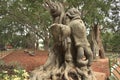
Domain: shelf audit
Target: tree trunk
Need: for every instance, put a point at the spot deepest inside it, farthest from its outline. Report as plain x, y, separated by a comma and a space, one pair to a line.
46, 43
96, 42
94, 45
63, 62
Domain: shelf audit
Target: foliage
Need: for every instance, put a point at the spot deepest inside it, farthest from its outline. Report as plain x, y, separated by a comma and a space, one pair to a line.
115, 41
114, 16
19, 17
12, 71
92, 11
111, 41
19, 75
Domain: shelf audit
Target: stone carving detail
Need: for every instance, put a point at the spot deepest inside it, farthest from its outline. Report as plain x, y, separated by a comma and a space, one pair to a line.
70, 56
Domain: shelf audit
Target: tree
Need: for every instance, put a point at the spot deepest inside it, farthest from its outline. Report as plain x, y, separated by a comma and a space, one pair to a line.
70, 56
26, 16
115, 41
114, 15
112, 26
107, 36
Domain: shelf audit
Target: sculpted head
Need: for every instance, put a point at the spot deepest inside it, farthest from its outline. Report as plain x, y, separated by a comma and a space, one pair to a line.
73, 13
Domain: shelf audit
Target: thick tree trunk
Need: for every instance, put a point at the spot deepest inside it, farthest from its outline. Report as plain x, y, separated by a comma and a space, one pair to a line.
96, 42
63, 62
94, 45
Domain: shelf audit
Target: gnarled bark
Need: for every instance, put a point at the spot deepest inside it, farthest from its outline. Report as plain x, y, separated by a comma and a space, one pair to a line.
96, 42
66, 60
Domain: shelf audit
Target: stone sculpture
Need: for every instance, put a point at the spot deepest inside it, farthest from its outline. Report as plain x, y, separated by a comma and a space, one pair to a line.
70, 57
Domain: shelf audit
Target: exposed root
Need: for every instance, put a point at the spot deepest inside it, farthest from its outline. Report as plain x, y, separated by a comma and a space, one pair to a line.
63, 73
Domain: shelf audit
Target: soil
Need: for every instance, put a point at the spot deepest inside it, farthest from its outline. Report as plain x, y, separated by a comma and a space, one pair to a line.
27, 61
30, 62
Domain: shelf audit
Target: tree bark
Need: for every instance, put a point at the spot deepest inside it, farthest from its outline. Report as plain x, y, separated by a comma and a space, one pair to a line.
63, 62
46, 43
94, 45
96, 42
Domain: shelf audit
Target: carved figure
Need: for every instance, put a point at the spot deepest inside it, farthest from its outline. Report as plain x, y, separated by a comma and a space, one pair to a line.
70, 56
78, 33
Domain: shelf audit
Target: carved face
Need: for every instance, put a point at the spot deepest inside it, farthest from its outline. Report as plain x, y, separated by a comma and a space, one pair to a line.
73, 13
66, 19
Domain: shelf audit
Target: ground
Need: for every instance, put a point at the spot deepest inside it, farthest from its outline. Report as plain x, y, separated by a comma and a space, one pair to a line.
31, 62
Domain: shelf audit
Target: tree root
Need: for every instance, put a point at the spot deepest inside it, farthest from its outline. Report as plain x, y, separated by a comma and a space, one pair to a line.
63, 73
66, 71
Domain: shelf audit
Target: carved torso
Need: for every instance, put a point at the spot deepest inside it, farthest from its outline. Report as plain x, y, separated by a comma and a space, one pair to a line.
78, 31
